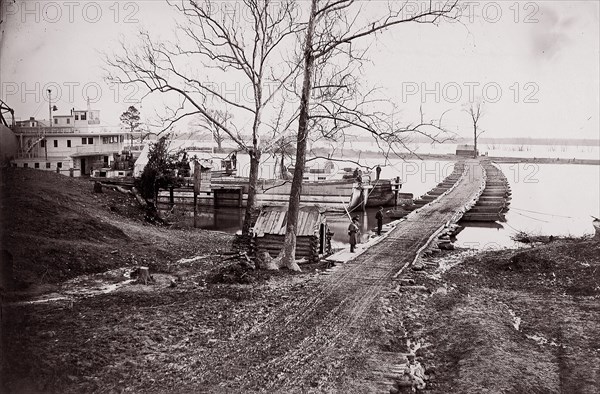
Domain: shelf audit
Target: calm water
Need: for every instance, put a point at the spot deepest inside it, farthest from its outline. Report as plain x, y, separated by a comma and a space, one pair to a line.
547, 199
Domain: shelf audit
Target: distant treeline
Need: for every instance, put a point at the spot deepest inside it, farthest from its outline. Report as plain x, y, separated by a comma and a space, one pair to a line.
509, 141
538, 141
467, 140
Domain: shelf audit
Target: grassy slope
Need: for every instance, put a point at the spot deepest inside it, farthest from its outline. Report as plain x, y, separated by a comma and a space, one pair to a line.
56, 228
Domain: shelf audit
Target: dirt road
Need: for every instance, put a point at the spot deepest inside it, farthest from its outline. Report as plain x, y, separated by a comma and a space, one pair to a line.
318, 341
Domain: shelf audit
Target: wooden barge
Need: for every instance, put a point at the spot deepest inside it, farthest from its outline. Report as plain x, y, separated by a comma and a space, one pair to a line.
233, 192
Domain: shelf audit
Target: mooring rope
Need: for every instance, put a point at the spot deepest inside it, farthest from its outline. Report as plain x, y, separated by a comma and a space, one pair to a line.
547, 214
531, 217
517, 230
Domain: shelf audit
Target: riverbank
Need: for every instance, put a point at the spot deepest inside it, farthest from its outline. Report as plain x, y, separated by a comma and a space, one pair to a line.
507, 321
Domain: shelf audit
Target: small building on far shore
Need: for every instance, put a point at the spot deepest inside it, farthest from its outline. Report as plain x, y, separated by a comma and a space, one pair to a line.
466, 150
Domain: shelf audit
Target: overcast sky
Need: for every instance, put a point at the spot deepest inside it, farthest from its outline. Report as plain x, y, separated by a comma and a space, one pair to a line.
536, 64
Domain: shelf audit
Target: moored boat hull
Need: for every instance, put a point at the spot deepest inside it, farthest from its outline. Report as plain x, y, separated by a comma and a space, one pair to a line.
483, 217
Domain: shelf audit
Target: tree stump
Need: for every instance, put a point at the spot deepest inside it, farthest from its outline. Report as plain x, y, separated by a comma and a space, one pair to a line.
266, 261
144, 275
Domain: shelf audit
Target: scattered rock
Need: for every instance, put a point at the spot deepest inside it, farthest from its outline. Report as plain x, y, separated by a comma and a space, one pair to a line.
415, 288
431, 370
47, 334
446, 246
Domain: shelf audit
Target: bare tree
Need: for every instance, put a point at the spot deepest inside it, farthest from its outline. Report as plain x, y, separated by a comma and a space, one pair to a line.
333, 29
282, 142
218, 135
224, 42
284, 148
475, 111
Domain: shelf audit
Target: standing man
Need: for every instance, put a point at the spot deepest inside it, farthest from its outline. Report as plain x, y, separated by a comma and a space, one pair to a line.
378, 172
379, 217
353, 233
359, 175
234, 160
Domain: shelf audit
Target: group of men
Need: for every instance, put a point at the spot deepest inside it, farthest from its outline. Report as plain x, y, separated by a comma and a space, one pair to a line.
358, 174
354, 229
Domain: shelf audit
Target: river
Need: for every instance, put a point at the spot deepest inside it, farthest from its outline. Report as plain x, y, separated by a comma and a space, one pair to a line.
547, 199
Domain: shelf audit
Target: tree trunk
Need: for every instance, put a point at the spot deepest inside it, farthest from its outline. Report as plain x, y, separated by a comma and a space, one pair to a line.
139, 197
197, 185
475, 141
251, 202
287, 256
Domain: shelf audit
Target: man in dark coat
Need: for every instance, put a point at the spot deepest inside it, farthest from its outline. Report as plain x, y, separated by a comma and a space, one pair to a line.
379, 217
377, 172
234, 160
353, 233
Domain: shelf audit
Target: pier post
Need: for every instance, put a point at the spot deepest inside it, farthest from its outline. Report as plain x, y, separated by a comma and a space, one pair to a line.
396, 190
195, 209
197, 183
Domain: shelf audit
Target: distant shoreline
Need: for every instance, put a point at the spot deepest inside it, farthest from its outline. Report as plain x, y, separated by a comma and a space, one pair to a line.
452, 157
544, 160
500, 159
